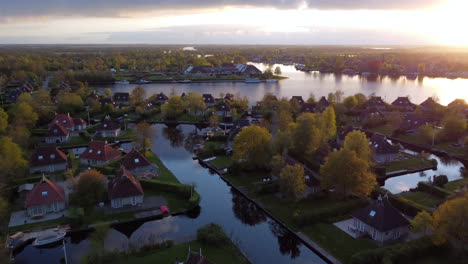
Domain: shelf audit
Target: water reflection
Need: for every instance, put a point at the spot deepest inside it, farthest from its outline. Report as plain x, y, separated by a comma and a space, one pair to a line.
174, 135
288, 244
247, 212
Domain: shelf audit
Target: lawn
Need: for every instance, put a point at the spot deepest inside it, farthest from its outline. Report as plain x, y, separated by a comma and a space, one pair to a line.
336, 242
166, 174
423, 198
410, 163
245, 179
222, 162
53, 222
453, 185
217, 254
175, 201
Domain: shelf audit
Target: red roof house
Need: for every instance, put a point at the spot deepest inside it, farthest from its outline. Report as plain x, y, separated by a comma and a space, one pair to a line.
98, 152
45, 197
68, 122
124, 189
138, 164
48, 159
57, 134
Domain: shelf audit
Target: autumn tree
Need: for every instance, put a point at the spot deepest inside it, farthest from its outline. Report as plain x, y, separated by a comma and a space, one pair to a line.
347, 174
70, 103
358, 142
307, 134
276, 164
329, 123
450, 220
284, 114
90, 187
252, 147
144, 132
422, 223
23, 113
427, 133
12, 163
43, 105
292, 181
193, 103
107, 92
453, 128
137, 95
3, 121
19, 134
350, 102
173, 107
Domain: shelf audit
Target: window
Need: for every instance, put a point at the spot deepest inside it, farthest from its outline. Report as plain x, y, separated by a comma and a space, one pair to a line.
372, 213
396, 233
99, 152
44, 194
40, 157
52, 156
105, 125
137, 160
374, 233
90, 151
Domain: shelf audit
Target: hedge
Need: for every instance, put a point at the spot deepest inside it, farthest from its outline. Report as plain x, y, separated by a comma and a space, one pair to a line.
397, 253
404, 205
434, 190
267, 188
167, 186
329, 214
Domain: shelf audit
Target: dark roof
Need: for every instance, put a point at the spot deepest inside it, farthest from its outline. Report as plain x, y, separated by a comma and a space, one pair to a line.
229, 97
124, 184
375, 101
370, 113
196, 258
106, 100
201, 69
208, 98
98, 150
458, 103
223, 106
134, 160
413, 121
380, 144
57, 130
308, 107
108, 124
429, 103
45, 192
403, 102
342, 134
47, 156
63, 119
298, 99
162, 97
121, 96
381, 215
94, 95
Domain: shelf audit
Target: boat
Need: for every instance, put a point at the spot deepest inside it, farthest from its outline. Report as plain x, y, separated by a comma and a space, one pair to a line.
252, 80
271, 80
48, 239
185, 81
141, 81
122, 82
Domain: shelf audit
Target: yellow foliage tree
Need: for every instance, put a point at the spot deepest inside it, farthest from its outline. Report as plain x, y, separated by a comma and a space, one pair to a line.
292, 181
450, 222
252, 147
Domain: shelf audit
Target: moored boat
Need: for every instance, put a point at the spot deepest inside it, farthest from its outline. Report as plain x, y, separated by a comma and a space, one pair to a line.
122, 82
271, 80
185, 81
252, 80
48, 239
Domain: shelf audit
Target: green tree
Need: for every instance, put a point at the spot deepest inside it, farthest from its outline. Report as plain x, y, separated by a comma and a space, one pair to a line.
422, 223
19, 134
90, 188
278, 70
347, 174
12, 163
23, 113
276, 164
137, 95
350, 102
70, 103
358, 142
450, 220
360, 98
252, 147
453, 127
144, 132
307, 133
292, 181
173, 108
3, 121
427, 133
193, 103
107, 92
329, 123
214, 121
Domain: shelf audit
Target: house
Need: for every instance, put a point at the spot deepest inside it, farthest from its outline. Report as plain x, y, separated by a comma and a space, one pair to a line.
121, 98
429, 105
98, 153
308, 108
209, 100
226, 69
460, 106
68, 122
45, 197
403, 104
371, 114
375, 102
94, 95
248, 70
138, 164
412, 122
382, 150
124, 189
108, 128
223, 109
107, 101
237, 126
298, 99
203, 70
64, 87
57, 134
48, 159
161, 98
310, 179
229, 97
24, 190
13, 95
322, 104
381, 221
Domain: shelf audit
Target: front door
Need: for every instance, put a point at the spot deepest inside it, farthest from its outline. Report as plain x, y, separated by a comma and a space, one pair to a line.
134, 202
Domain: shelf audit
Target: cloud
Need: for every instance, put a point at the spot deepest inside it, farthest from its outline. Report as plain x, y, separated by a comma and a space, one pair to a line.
11, 11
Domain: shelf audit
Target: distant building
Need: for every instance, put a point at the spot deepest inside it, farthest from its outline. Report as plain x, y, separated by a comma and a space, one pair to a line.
125, 190
223, 109
403, 104
381, 221
371, 113
412, 122
161, 98
139, 165
429, 105
209, 100
204, 70
248, 70
108, 128
107, 101
308, 108
48, 159
298, 99
45, 197
375, 102
68, 122
322, 104
57, 134
121, 98
98, 153
382, 150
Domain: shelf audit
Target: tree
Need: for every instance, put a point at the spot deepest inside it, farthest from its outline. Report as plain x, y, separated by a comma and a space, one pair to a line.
173, 107
70, 102
422, 222
137, 95
214, 122
193, 103
90, 187
278, 70
268, 73
107, 92
454, 127
284, 114
12, 163
292, 181
19, 134
307, 133
144, 132
350, 102
43, 105
427, 133
329, 123
360, 98
347, 174
252, 147
449, 222
3, 121
23, 113
276, 164
358, 142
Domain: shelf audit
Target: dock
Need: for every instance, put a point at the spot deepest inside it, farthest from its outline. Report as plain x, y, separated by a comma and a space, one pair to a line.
149, 214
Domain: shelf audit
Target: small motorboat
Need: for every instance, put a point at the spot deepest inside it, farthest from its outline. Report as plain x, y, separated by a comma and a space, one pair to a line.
271, 80
122, 82
185, 81
48, 239
252, 80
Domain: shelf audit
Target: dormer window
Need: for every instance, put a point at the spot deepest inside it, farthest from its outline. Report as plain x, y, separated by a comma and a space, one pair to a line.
52, 156
99, 152
44, 194
64, 121
90, 151
55, 130
137, 160
40, 157
105, 125
372, 213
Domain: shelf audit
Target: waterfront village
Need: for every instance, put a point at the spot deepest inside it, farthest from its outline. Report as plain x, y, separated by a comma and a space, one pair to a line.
75, 158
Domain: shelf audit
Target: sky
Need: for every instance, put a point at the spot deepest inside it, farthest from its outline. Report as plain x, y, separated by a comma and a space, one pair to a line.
292, 22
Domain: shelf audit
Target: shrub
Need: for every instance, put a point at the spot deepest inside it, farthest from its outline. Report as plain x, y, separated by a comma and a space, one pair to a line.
166, 186
404, 205
434, 190
440, 180
212, 234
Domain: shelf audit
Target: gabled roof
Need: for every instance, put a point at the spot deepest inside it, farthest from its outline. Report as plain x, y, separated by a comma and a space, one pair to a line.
223, 106
94, 95
375, 101
57, 130
45, 192
323, 103
208, 98
458, 103
308, 107
124, 184
371, 113
134, 160
402, 101
199, 69
413, 121
381, 215
298, 99
108, 124
380, 144
98, 150
121, 96
106, 100
47, 156
342, 134
63, 119
429, 103
162, 97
